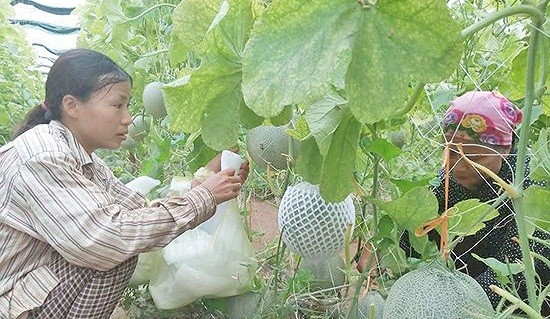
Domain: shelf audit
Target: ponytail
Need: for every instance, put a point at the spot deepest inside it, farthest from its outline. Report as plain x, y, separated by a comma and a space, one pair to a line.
40, 114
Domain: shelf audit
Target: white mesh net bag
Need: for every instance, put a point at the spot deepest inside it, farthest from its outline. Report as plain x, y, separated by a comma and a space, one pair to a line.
311, 226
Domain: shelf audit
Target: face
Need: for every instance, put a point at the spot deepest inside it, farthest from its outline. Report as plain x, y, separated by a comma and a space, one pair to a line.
464, 173
102, 121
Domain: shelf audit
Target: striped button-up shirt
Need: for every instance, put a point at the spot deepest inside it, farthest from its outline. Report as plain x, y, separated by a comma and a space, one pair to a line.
55, 196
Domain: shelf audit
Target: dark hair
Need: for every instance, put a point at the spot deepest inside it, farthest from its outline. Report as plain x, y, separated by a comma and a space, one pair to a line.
78, 72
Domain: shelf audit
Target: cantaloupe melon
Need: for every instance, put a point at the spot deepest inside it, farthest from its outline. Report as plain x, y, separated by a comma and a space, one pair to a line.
434, 292
328, 272
139, 128
372, 301
249, 305
269, 145
398, 138
153, 101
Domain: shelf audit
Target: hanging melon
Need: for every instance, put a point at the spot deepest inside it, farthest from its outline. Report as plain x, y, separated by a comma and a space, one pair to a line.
139, 128
311, 226
268, 145
434, 292
153, 101
371, 303
328, 273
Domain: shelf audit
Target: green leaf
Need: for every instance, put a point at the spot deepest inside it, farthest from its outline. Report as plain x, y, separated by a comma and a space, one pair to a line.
384, 228
406, 185
337, 174
176, 101
284, 117
300, 130
323, 118
462, 221
310, 161
399, 42
502, 270
200, 155
540, 164
297, 50
385, 149
413, 209
212, 100
536, 208
248, 118
220, 124
192, 18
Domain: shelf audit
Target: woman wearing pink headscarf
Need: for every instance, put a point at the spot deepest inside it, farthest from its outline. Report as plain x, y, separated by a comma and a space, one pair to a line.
484, 123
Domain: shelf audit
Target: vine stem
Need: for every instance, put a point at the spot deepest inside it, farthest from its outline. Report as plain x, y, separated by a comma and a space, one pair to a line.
412, 101
538, 18
375, 177
520, 168
522, 305
149, 10
510, 190
535, 14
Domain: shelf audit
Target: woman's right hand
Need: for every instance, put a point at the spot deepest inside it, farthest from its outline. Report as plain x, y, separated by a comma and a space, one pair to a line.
224, 185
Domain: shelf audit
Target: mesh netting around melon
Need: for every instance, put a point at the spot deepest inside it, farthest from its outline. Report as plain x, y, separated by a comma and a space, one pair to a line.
311, 226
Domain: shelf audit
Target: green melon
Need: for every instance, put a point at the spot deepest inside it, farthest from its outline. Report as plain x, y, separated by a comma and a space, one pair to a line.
128, 143
328, 273
372, 301
249, 305
153, 101
139, 128
269, 145
398, 138
434, 292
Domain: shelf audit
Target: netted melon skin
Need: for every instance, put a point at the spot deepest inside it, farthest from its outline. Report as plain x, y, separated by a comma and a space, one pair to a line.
269, 145
311, 226
364, 306
436, 293
328, 272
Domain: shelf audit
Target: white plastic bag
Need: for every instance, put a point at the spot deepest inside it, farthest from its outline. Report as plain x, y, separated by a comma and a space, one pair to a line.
214, 259
147, 262
143, 184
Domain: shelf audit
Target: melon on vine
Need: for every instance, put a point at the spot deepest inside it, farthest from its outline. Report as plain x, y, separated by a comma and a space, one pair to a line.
372, 303
269, 145
327, 273
128, 143
248, 305
139, 128
398, 138
435, 292
153, 101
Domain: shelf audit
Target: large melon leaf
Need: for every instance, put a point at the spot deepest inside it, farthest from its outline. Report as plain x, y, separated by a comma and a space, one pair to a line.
297, 49
191, 21
399, 42
212, 98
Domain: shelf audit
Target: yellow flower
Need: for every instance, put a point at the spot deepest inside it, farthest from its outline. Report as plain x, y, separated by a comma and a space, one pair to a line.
475, 122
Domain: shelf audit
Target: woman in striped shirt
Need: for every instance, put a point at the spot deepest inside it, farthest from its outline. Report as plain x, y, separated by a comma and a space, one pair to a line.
70, 231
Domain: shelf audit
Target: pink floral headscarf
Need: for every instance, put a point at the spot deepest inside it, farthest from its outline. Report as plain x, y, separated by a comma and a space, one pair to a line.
487, 117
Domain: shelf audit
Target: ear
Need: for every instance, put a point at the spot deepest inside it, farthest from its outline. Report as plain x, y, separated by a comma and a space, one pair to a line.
69, 106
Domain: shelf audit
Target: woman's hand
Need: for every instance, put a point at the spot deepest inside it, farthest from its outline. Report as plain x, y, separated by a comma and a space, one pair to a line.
224, 185
214, 165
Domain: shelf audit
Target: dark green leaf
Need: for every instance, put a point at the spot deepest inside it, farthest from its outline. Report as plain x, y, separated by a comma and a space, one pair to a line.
310, 161
385, 149
337, 174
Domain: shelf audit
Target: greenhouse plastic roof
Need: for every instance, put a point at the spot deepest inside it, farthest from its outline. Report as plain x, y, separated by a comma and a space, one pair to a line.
51, 27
